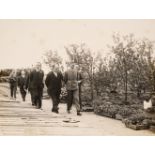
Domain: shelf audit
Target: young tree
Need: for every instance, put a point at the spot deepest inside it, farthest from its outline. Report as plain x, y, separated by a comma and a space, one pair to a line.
150, 63
123, 51
134, 63
51, 58
102, 81
140, 73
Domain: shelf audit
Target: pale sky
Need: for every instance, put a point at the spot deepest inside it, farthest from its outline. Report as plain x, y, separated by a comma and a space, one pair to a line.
23, 42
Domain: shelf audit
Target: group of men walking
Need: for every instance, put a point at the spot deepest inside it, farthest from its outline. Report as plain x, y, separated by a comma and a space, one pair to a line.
54, 81
20, 81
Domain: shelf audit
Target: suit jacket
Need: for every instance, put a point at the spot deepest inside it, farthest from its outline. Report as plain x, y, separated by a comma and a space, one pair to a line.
53, 82
71, 79
35, 80
13, 80
22, 82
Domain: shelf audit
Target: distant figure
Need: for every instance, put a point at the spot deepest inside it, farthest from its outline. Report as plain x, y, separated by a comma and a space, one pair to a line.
23, 84
71, 81
36, 85
13, 80
53, 82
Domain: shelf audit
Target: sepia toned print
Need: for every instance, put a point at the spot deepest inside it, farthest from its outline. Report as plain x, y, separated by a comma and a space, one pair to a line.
77, 77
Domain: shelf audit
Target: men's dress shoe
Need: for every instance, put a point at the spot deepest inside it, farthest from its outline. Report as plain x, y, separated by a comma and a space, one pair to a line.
68, 111
56, 111
33, 104
38, 107
79, 114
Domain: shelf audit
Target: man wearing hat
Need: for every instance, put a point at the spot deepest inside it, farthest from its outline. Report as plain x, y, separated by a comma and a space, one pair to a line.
71, 81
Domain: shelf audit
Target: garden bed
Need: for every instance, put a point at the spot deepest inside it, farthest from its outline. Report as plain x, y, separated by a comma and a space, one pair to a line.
131, 113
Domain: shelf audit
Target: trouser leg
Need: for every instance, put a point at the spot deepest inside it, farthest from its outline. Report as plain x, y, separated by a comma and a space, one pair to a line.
14, 91
55, 102
24, 97
57, 99
70, 99
23, 93
80, 101
76, 100
11, 90
39, 98
39, 101
33, 98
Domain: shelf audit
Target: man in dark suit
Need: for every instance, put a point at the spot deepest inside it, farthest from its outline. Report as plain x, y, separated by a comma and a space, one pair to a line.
36, 85
53, 82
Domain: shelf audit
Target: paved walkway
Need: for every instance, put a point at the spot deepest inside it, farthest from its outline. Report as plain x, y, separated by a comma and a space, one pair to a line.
20, 118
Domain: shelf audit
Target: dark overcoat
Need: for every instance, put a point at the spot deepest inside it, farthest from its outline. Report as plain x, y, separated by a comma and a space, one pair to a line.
53, 82
35, 80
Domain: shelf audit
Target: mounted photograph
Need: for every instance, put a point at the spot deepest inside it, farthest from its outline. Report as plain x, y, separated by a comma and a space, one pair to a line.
77, 77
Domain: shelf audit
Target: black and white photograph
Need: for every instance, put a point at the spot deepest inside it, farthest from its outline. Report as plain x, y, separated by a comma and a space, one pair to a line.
77, 77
